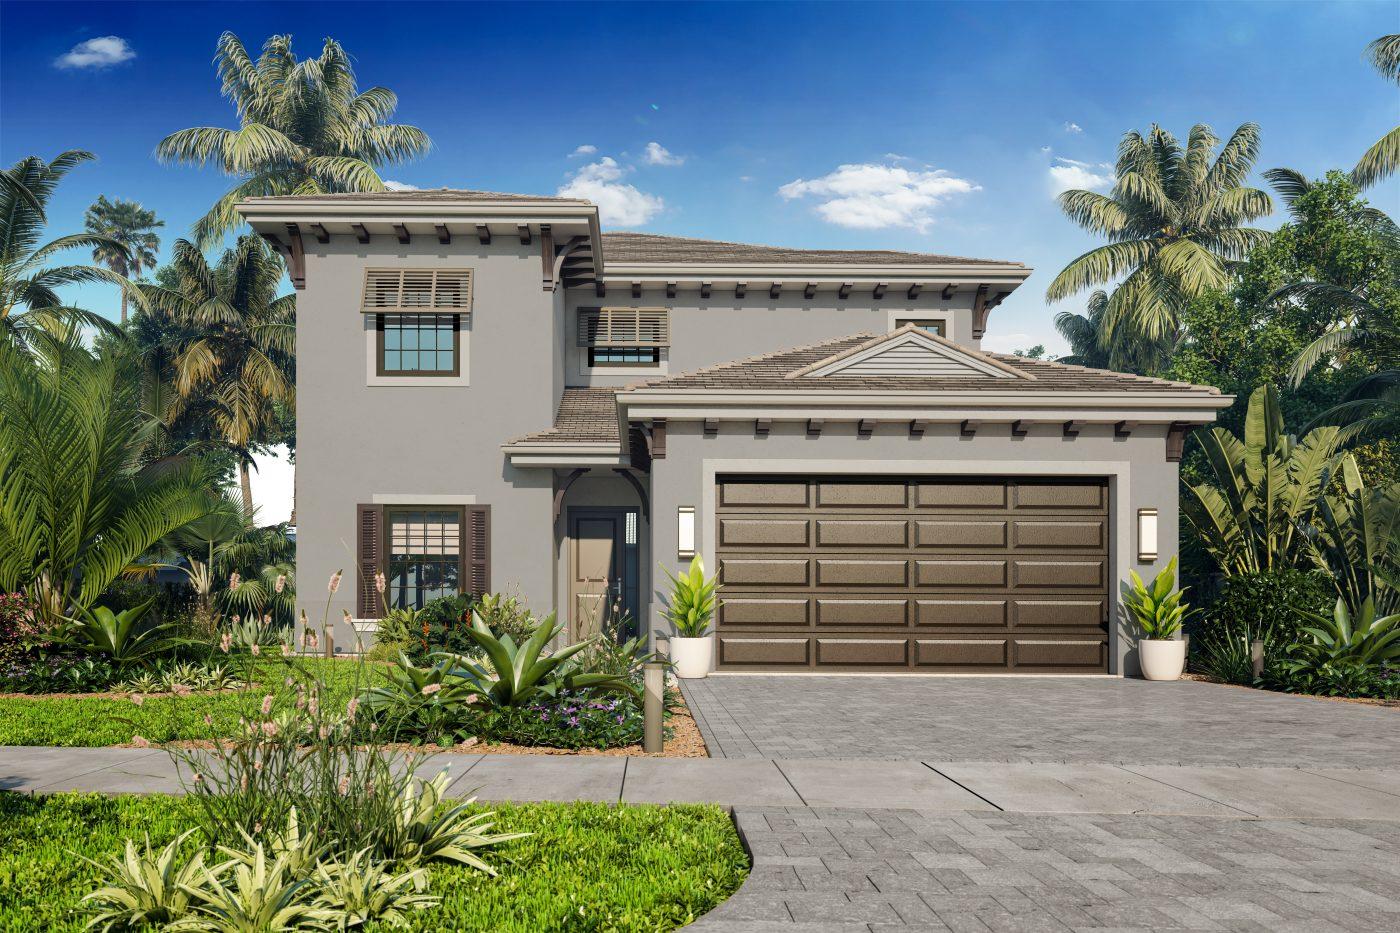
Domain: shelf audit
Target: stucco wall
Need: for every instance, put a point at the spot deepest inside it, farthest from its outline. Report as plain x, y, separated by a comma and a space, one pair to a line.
1139, 477
356, 441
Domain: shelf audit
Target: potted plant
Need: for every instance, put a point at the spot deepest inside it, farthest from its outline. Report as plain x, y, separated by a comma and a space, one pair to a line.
690, 611
1158, 612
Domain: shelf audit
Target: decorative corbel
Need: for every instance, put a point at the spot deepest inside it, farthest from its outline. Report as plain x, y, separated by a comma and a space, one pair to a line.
1176, 440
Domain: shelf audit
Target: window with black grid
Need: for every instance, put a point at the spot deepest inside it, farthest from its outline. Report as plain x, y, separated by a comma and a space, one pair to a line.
424, 555
418, 344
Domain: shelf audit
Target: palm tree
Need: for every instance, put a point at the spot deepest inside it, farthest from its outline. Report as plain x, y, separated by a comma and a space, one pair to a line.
28, 286
234, 358
1084, 333
1173, 221
1382, 159
80, 500
304, 128
132, 226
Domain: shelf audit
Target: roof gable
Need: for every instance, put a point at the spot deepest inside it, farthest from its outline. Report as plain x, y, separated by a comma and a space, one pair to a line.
910, 353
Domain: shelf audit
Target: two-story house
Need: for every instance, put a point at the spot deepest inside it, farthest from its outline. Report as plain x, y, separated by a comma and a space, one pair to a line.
494, 394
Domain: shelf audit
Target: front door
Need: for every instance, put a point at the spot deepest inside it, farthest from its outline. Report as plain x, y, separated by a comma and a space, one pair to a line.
602, 568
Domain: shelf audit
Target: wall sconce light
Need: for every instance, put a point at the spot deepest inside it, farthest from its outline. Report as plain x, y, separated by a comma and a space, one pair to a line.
1147, 535
685, 531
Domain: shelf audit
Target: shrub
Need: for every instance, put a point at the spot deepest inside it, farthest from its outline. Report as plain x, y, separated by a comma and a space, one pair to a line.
570, 721
507, 615
1271, 605
1157, 610
18, 628
441, 625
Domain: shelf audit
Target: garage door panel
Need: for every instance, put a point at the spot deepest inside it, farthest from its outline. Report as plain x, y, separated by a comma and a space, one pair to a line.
862, 612
763, 494
776, 652
757, 571
862, 572
959, 613
961, 653
961, 573
1060, 612
763, 532
960, 534
1076, 534
862, 533
863, 651
1059, 573
926, 574
761, 612
960, 495
858, 494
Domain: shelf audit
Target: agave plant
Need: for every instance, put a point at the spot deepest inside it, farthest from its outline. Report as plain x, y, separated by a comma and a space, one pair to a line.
517, 676
115, 634
1361, 637
423, 831
1267, 490
692, 604
1157, 609
144, 887
361, 889
253, 893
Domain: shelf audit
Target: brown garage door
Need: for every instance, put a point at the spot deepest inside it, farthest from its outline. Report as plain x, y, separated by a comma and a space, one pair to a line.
926, 574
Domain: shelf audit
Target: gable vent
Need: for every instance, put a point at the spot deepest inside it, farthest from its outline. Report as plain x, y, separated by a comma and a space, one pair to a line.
417, 290
624, 327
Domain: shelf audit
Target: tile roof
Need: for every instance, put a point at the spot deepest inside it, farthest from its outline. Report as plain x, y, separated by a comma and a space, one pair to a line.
422, 194
771, 372
585, 416
652, 247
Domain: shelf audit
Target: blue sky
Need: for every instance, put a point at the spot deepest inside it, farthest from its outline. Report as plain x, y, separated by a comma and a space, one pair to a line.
954, 121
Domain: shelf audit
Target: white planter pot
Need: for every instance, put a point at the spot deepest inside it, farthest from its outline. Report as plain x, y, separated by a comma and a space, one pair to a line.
692, 657
1162, 659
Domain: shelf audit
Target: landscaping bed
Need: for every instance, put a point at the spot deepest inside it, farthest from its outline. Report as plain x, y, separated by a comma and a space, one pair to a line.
584, 866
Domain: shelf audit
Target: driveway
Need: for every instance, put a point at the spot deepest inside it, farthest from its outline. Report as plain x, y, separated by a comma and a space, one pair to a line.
1108, 719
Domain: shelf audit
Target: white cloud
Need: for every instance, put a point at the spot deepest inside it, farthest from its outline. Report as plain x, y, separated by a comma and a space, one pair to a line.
102, 52
896, 157
1071, 127
619, 204
1070, 173
399, 186
584, 150
657, 154
869, 196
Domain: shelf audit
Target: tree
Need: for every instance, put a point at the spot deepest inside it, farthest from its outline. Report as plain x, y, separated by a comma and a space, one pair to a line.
132, 226
234, 357
1173, 220
1093, 345
303, 129
29, 298
79, 499
1382, 159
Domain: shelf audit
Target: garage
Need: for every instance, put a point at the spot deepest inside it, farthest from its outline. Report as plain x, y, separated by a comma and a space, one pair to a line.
923, 574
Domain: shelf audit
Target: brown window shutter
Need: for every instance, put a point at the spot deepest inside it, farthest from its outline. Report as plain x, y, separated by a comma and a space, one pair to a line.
369, 557
476, 550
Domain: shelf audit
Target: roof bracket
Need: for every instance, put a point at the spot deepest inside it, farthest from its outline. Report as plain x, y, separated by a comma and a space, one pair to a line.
844, 291
740, 288
1072, 428
704, 289
657, 440
865, 427
879, 291
444, 236
914, 291
917, 427
814, 427
402, 233
775, 290
636, 289
949, 289
711, 427
762, 426
524, 230
1124, 429
641, 490
969, 428
563, 488
810, 291
1020, 428
1176, 440
361, 233
670, 289
483, 234
322, 234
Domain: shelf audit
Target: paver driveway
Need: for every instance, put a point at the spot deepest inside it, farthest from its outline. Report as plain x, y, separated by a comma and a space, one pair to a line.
1107, 719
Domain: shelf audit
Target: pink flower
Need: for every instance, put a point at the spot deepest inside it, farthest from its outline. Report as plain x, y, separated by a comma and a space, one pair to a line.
286, 651
266, 621
198, 778
257, 766
225, 642
234, 582
180, 690
237, 619
243, 782
281, 583
138, 699
267, 705
140, 742
351, 707
255, 649
344, 786
430, 689
208, 720
335, 582
312, 706
287, 682
374, 727
379, 582
269, 729
324, 732
311, 638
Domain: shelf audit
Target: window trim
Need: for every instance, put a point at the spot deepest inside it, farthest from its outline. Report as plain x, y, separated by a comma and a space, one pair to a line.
454, 372
590, 358
387, 532
921, 322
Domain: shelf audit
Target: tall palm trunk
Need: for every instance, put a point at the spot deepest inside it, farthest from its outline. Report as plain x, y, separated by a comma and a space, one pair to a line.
245, 481
125, 298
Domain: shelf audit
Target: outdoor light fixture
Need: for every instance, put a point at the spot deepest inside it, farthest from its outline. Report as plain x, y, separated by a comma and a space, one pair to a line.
685, 531
1147, 535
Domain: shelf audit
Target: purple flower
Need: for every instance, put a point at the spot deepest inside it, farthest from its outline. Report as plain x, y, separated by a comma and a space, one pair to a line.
619, 719
544, 717
573, 720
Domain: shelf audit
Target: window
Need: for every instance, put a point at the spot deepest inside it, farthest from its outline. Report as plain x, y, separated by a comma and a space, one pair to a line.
624, 336
424, 555
418, 345
623, 356
932, 326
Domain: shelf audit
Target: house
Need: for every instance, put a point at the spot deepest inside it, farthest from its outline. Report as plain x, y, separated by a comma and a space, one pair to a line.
495, 394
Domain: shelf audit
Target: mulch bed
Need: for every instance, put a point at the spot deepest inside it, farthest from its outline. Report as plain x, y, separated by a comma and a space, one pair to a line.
1364, 701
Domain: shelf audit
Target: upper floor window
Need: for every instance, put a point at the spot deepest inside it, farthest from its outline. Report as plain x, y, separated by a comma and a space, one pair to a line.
624, 336
418, 316
938, 326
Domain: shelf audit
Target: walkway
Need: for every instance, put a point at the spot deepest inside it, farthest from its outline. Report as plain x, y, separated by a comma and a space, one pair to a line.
1041, 719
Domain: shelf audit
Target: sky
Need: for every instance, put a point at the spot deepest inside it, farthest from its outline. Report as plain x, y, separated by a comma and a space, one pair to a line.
933, 127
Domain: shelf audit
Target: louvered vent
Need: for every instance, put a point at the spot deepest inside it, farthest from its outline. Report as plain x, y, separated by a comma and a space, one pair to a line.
390, 291
624, 327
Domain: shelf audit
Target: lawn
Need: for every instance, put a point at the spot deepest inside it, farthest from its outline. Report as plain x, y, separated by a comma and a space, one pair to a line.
587, 867
96, 721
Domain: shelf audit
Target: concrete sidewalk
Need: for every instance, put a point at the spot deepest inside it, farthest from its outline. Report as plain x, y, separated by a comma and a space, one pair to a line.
933, 787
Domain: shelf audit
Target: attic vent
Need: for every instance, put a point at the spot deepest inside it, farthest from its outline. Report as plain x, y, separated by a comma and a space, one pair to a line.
411, 290
624, 327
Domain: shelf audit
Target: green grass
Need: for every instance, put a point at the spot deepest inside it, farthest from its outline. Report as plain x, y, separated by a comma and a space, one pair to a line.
591, 867
93, 722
